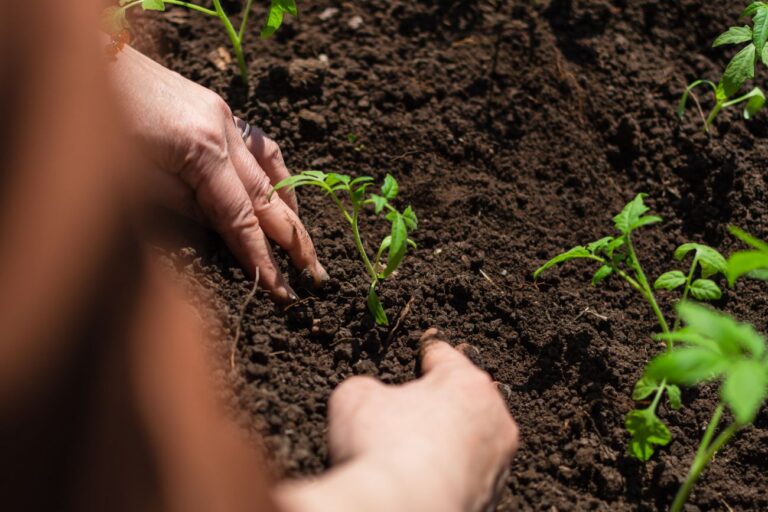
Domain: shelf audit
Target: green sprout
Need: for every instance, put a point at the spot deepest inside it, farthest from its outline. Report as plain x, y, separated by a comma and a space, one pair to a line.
617, 256
117, 21
740, 69
752, 263
713, 346
395, 245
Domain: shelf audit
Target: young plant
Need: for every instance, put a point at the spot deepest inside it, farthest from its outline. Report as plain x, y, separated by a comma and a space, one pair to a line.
338, 186
740, 69
117, 22
617, 256
752, 263
714, 347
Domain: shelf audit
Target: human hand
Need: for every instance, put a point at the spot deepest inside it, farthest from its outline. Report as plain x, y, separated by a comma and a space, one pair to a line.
443, 442
199, 164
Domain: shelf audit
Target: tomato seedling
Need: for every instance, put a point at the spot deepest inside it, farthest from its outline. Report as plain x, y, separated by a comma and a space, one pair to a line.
752, 263
356, 190
117, 23
740, 69
617, 256
713, 346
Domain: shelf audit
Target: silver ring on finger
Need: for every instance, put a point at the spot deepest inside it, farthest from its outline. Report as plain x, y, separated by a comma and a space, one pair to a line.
244, 126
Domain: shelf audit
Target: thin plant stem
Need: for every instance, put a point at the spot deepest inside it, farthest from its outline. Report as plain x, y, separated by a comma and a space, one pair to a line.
704, 456
244, 23
361, 248
234, 38
192, 6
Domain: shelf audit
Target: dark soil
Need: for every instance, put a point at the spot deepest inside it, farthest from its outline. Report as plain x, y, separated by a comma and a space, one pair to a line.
516, 129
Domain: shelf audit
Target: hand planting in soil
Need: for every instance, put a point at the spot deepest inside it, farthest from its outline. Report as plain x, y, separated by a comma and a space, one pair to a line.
752, 263
739, 70
395, 245
712, 346
117, 23
617, 256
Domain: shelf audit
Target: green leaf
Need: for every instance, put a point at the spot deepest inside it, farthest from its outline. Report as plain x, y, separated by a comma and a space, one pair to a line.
631, 217
745, 263
748, 239
378, 202
730, 335
744, 389
688, 366
572, 254
153, 5
739, 70
409, 216
359, 180
711, 261
390, 187
374, 306
734, 35
277, 11
318, 175
670, 280
755, 97
760, 31
598, 246
612, 247
704, 289
674, 395
334, 178
647, 431
752, 9
601, 274
398, 245
644, 388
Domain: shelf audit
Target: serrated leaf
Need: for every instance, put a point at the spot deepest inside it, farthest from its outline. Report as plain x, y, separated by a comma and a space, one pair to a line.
390, 187
597, 246
760, 30
732, 337
646, 221
375, 307
411, 221
674, 396
670, 280
705, 289
752, 9
575, 253
711, 261
739, 70
378, 202
744, 389
734, 35
318, 175
334, 178
601, 274
277, 11
688, 366
630, 216
644, 388
612, 247
647, 432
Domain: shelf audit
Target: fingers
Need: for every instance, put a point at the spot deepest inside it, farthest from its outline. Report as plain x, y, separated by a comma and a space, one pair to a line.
279, 222
437, 353
270, 159
227, 205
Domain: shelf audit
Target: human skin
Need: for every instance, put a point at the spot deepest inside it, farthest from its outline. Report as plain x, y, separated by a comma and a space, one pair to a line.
196, 161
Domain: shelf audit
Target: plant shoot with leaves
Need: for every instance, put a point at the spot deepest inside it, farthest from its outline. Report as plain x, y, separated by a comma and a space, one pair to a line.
616, 255
740, 69
117, 23
395, 245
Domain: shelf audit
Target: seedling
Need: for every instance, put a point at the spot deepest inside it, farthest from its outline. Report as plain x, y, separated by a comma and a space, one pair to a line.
752, 263
617, 256
117, 22
338, 186
714, 347
740, 69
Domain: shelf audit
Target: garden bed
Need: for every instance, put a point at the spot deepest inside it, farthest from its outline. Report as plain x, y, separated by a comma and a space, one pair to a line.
516, 129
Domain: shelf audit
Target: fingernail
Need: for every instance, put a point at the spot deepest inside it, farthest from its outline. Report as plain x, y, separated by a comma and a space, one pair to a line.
306, 279
322, 274
504, 389
285, 295
468, 350
430, 337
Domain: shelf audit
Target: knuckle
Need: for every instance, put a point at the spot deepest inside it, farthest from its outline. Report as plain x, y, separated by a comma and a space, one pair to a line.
272, 150
207, 151
260, 189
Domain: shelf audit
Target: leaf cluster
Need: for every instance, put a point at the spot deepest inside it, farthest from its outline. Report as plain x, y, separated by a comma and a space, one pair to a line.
707, 260
752, 263
356, 192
